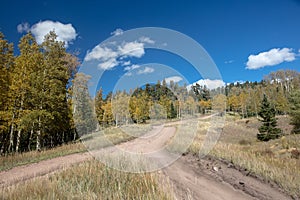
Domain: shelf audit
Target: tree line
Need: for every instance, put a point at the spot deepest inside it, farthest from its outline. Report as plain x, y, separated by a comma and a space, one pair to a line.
170, 101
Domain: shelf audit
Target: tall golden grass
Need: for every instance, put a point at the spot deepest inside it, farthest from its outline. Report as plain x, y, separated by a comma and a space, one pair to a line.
271, 160
90, 180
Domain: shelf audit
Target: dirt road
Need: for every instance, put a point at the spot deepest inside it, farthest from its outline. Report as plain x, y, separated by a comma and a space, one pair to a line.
190, 177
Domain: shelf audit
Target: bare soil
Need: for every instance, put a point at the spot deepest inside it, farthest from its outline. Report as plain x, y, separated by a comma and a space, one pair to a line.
191, 177
210, 178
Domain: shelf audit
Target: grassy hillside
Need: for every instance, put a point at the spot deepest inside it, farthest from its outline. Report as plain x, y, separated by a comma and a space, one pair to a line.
277, 160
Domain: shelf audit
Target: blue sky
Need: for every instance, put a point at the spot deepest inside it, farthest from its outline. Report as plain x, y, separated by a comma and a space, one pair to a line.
245, 39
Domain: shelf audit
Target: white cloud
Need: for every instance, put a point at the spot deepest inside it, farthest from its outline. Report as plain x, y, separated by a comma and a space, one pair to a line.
270, 58
132, 49
210, 84
101, 53
126, 63
146, 40
109, 64
146, 70
24, 27
117, 32
109, 57
65, 32
112, 54
175, 79
132, 67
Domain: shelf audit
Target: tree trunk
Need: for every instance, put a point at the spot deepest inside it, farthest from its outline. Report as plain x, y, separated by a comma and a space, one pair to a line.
30, 139
38, 135
11, 135
74, 136
63, 137
20, 130
116, 117
18, 140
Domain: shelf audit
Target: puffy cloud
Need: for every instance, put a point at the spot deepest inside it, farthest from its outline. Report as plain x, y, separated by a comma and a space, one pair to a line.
146, 70
117, 32
24, 27
132, 67
146, 40
126, 63
270, 58
175, 79
64, 32
106, 65
109, 57
101, 53
210, 84
113, 53
132, 49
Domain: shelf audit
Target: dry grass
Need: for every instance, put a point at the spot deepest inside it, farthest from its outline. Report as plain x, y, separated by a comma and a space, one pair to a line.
114, 135
10, 161
274, 161
90, 180
93, 180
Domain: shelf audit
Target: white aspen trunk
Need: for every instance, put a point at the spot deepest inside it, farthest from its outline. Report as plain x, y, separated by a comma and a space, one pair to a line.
11, 135
38, 135
116, 117
30, 138
20, 130
74, 135
18, 140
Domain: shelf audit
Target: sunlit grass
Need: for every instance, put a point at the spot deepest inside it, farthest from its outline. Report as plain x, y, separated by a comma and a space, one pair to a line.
271, 160
91, 180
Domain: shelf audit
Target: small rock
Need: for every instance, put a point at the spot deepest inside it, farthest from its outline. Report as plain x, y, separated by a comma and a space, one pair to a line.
216, 169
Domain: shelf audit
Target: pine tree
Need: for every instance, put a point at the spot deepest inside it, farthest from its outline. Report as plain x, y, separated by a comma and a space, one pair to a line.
294, 100
173, 111
268, 129
99, 102
83, 113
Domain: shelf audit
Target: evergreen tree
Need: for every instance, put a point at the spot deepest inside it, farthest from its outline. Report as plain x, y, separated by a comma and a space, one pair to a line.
294, 100
83, 114
201, 92
268, 129
173, 111
99, 102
